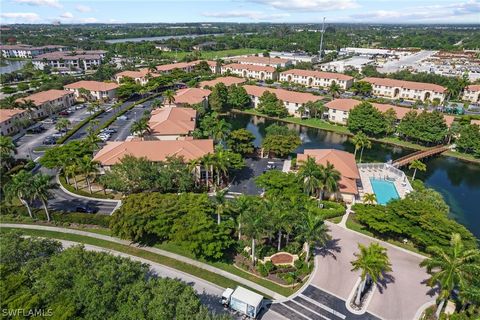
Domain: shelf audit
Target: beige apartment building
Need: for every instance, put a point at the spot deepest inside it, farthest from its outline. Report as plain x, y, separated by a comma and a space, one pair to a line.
12, 120
408, 90
472, 93
50, 101
312, 78
251, 71
141, 76
97, 90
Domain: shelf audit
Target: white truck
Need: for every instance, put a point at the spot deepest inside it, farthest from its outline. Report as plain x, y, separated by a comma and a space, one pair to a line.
244, 301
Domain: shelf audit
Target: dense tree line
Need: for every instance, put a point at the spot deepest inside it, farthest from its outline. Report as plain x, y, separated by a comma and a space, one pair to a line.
75, 283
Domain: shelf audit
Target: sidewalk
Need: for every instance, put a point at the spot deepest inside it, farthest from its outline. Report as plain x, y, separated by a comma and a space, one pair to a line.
168, 254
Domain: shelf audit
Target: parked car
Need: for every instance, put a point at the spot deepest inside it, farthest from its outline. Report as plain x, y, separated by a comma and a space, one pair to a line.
86, 209
64, 113
50, 121
122, 118
49, 141
79, 106
36, 129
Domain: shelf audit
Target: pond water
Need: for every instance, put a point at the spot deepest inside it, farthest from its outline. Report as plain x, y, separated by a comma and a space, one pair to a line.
161, 38
456, 180
11, 66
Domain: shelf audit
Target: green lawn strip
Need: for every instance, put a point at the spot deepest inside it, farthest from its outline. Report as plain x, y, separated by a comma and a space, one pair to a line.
172, 263
209, 55
70, 188
41, 148
336, 220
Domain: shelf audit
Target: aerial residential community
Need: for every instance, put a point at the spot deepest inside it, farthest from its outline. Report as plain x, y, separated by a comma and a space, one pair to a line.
302, 160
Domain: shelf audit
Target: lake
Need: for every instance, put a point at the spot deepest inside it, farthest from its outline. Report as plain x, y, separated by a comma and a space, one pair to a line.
456, 180
12, 66
161, 38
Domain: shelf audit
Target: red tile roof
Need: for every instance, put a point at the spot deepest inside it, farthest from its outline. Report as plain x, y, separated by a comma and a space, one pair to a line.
317, 74
228, 81
136, 74
250, 67
268, 61
172, 121
92, 85
153, 150
343, 161
191, 95
473, 87
6, 114
405, 84
282, 94
40, 98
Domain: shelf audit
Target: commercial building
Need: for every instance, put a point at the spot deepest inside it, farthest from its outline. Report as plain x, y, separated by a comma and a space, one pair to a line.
263, 61
295, 57
70, 60
191, 96
292, 100
12, 120
472, 93
311, 78
140, 76
48, 102
409, 90
172, 123
27, 51
344, 162
186, 66
227, 81
250, 71
97, 90
353, 63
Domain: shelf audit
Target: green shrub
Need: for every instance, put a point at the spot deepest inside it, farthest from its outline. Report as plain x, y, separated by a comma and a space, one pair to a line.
78, 126
82, 218
269, 266
293, 247
331, 209
262, 270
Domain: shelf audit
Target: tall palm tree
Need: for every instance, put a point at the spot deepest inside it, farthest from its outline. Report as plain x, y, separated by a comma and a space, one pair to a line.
141, 128
42, 186
360, 140
330, 178
417, 165
207, 161
334, 89
220, 131
169, 96
30, 106
21, 187
62, 124
220, 203
312, 230
240, 205
310, 172
451, 268
253, 221
88, 167
71, 171
7, 149
373, 262
369, 198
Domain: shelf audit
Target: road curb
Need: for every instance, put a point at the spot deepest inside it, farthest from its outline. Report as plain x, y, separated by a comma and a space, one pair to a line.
57, 180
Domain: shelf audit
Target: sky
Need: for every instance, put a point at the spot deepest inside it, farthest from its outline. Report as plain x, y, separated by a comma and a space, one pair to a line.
285, 11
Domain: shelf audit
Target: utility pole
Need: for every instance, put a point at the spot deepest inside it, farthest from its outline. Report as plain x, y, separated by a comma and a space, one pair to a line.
321, 40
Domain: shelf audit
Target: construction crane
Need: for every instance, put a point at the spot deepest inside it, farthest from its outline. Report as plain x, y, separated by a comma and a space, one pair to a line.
321, 41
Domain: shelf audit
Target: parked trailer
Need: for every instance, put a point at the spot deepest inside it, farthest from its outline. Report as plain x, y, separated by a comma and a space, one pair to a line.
244, 301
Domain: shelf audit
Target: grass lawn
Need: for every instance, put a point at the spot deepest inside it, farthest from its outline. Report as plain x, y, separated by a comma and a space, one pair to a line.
175, 264
83, 190
211, 55
41, 148
336, 220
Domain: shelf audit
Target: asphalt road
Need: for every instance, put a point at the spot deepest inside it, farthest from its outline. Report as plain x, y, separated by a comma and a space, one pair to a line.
243, 180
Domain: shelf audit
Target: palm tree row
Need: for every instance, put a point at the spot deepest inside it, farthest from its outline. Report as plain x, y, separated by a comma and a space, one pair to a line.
217, 165
85, 166
318, 179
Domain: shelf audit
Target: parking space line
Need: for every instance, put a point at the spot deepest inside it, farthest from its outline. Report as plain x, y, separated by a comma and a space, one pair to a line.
321, 305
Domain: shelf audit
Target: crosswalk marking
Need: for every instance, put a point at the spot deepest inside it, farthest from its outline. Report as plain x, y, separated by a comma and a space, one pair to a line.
303, 306
321, 305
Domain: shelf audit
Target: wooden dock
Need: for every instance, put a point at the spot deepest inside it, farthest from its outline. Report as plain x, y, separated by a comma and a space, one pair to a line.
400, 162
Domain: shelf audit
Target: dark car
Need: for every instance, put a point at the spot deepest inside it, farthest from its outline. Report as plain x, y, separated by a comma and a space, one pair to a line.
49, 140
36, 129
64, 113
86, 209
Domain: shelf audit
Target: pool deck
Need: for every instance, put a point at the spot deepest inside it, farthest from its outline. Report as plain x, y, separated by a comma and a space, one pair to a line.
383, 171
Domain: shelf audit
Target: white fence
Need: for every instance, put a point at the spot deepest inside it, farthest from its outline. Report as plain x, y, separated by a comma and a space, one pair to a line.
388, 169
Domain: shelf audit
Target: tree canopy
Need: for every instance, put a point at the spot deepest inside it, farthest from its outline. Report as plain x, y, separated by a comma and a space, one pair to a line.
365, 117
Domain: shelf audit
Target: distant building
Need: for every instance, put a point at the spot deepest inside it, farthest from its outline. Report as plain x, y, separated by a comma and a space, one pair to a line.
141, 76
204, 45
292, 100
172, 123
27, 51
49, 101
97, 90
263, 61
68, 60
353, 63
409, 90
472, 93
163, 47
311, 78
295, 57
185, 66
12, 120
227, 81
191, 96
250, 71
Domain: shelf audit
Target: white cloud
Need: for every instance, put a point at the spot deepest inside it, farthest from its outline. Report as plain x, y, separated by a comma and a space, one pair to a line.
40, 3
66, 15
20, 17
88, 20
254, 15
310, 5
83, 8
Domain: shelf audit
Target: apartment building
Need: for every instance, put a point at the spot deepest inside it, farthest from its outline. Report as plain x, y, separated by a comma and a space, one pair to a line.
250, 71
339, 109
291, 99
191, 96
141, 76
12, 120
70, 60
48, 102
186, 66
472, 93
27, 51
97, 90
227, 81
312, 78
263, 61
408, 90
172, 123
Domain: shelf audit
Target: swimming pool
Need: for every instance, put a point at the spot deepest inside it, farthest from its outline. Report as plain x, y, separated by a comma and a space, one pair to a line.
384, 190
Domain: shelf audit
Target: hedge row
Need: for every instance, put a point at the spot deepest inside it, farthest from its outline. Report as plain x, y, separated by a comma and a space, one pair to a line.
77, 127
332, 209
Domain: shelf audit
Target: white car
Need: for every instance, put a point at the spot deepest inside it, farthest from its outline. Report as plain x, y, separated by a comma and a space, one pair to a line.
122, 118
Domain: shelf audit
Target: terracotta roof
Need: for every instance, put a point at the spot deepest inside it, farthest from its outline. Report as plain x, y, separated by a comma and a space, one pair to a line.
40, 98
136, 74
282, 94
172, 120
405, 84
250, 67
317, 74
228, 81
92, 85
473, 87
191, 95
349, 104
153, 150
343, 161
6, 114
477, 122
268, 61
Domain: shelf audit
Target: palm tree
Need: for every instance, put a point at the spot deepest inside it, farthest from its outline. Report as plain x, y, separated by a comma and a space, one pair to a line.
451, 268
7, 148
156, 103
207, 161
92, 140
41, 186
334, 89
330, 178
21, 187
373, 262
62, 124
71, 171
141, 128
312, 230
85, 94
417, 165
369, 198
169, 96
220, 131
310, 173
360, 140
220, 203
253, 221
30, 106
88, 167
241, 204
